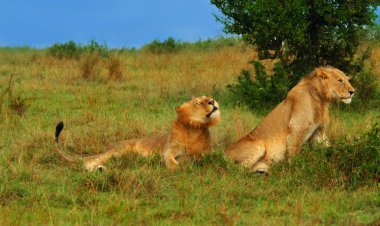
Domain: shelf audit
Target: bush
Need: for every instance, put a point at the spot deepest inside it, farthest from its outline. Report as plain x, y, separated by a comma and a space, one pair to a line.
367, 92
73, 50
349, 164
171, 45
357, 162
263, 90
167, 46
94, 47
216, 44
66, 50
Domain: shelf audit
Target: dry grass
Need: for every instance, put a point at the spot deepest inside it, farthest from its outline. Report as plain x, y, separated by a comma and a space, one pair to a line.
114, 65
90, 65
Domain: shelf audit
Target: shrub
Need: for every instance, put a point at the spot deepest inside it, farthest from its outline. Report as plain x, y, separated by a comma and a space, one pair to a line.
94, 47
367, 92
73, 50
358, 161
171, 45
65, 50
167, 46
346, 163
216, 44
263, 90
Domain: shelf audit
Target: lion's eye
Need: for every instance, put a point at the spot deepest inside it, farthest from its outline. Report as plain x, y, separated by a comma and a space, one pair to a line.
198, 103
341, 81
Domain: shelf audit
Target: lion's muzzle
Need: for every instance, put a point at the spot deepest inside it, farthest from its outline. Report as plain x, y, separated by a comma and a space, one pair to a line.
214, 109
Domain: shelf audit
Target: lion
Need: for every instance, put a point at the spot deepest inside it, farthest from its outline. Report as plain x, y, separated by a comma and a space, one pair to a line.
189, 138
302, 116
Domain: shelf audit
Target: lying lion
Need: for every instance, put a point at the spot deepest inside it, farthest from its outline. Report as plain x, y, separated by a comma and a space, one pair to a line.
302, 116
189, 138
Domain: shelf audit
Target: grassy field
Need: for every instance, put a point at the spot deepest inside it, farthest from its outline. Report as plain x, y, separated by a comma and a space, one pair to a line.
37, 187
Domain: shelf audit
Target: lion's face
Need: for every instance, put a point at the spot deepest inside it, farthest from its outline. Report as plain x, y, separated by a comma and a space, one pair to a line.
199, 112
336, 84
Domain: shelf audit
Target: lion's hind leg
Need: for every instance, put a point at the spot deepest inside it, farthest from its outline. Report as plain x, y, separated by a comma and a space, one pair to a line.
96, 162
248, 154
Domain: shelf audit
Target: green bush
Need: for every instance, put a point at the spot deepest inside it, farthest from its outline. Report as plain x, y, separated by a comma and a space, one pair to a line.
73, 50
215, 44
94, 47
171, 45
263, 90
65, 50
367, 93
167, 46
349, 164
357, 162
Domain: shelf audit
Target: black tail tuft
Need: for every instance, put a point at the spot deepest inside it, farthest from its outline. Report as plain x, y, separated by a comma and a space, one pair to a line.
58, 130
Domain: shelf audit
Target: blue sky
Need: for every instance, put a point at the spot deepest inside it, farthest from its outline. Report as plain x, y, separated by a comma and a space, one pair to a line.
118, 23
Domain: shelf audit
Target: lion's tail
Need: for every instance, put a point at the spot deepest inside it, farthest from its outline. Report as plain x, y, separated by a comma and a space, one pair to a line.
58, 148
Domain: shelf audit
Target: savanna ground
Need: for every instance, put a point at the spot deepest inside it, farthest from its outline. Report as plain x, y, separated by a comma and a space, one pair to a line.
38, 187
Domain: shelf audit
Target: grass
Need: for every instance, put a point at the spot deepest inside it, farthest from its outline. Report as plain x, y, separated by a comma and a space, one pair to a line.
39, 188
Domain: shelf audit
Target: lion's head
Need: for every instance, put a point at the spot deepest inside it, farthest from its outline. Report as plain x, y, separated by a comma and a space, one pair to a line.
199, 112
335, 84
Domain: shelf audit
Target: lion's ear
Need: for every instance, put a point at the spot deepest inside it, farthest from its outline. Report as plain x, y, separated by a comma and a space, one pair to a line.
178, 109
321, 73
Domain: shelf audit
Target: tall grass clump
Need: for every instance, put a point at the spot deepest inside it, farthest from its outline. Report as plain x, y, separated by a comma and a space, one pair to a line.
14, 102
90, 65
114, 65
261, 90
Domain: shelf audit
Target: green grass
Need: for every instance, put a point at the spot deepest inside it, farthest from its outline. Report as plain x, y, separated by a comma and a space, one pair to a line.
39, 188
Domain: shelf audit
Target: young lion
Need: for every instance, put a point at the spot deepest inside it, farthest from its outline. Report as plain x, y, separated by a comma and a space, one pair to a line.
189, 138
302, 116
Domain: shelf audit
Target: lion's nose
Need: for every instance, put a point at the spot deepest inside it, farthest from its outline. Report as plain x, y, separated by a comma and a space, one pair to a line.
211, 102
351, 92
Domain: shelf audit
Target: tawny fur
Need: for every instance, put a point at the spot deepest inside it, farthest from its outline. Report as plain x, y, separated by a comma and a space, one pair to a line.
188, 139
302, 116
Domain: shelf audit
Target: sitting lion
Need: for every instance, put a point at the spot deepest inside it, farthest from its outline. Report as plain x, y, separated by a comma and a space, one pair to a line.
302, 116
189, 138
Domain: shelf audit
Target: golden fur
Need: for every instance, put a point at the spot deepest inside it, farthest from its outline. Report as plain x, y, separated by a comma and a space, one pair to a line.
302, 116
189, 138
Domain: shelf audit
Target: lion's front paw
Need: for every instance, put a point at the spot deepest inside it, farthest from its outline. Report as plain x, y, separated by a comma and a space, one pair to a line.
171, 163
101, 168
93, 166
261, 167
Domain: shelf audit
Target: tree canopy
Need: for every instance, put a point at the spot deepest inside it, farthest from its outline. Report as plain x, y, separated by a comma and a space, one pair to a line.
302, 33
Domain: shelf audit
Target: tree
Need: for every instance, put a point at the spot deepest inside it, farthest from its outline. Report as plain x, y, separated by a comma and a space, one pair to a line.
303, 34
